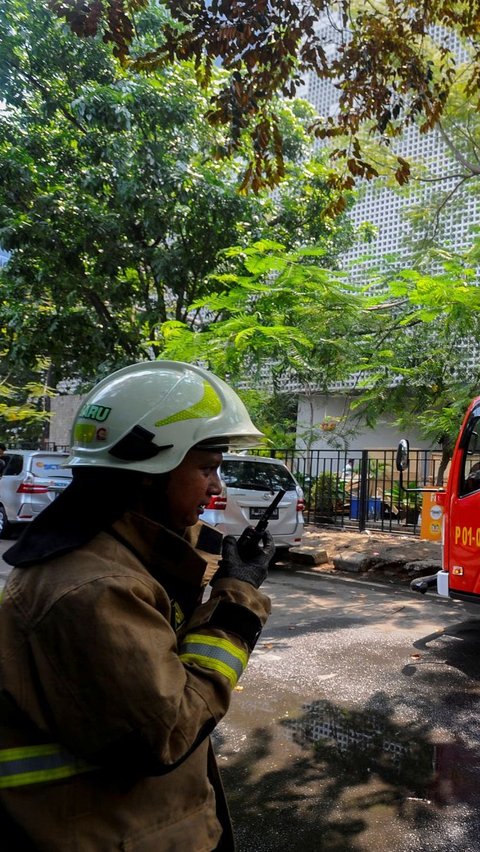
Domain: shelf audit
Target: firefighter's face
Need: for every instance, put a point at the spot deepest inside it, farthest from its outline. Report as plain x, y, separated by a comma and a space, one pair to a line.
191, 485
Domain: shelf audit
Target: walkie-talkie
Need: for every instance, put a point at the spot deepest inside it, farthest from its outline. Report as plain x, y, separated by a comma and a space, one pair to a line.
251, 536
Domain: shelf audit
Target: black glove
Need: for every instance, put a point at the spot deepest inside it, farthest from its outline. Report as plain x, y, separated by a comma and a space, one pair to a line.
252, 570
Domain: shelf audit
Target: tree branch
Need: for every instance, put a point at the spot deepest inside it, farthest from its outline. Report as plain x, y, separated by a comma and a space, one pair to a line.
471, 167
46, 94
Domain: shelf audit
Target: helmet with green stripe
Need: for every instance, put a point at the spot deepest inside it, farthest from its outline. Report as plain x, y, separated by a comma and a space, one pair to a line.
147, 416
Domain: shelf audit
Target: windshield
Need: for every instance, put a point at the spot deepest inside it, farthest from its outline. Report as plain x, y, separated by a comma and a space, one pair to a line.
470, 472
259, 476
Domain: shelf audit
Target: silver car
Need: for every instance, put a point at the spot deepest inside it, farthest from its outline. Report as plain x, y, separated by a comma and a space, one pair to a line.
251, 483
31, 480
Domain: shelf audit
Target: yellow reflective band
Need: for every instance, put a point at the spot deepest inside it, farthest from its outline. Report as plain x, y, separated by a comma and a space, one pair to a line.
42, 776
28, 751
214, 665
208, 406
216, 642
38, 764
216, 654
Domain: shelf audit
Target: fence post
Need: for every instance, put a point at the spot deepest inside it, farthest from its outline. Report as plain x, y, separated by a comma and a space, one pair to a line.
363, 492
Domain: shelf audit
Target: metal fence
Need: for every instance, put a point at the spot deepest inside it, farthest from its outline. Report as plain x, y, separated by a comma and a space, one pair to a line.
355, 490
360, 489
48, 446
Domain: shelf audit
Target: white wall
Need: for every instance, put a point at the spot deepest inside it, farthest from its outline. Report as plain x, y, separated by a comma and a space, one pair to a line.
323, 409
317, 410
63, 410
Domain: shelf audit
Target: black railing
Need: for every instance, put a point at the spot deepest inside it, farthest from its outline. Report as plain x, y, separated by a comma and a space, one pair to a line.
48, 446
361, 489
355, 490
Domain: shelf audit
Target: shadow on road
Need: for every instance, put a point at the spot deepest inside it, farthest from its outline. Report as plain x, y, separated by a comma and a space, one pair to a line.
463, 653
341, 780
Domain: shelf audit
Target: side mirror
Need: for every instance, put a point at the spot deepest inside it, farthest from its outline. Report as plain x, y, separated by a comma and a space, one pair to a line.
402, 460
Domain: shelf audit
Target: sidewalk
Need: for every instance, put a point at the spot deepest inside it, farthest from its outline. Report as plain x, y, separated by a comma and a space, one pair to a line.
370, 555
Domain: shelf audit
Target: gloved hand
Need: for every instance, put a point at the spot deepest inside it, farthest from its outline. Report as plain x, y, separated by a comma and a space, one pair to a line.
254, 570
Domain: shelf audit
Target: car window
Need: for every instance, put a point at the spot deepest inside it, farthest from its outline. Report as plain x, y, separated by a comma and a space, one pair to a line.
14, 464
49, 465
470, 474
256, 476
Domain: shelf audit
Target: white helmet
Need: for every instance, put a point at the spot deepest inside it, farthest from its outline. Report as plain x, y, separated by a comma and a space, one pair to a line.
146, 417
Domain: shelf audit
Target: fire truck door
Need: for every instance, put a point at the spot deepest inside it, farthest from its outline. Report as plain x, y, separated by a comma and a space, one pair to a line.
464, 511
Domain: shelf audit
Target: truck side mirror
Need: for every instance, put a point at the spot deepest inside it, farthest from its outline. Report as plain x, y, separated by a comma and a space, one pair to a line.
402, 459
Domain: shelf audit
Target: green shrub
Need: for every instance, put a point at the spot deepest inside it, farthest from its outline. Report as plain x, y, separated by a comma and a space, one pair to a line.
327, 493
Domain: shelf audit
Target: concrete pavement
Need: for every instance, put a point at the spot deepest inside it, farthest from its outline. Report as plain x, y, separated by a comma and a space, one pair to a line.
396, 557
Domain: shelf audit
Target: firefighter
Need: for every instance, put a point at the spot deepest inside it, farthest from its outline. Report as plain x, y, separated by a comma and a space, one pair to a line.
115, 664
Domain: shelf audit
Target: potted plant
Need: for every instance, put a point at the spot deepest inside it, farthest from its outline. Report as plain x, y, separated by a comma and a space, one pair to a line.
406, 506
327, 496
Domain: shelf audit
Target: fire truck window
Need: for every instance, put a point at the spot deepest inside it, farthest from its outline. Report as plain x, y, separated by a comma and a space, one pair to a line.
471, 462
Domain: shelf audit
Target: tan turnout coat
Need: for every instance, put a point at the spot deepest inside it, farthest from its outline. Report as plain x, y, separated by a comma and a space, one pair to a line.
91, 658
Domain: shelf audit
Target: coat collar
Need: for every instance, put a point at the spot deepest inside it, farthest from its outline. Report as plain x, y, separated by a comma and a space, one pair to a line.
163, 552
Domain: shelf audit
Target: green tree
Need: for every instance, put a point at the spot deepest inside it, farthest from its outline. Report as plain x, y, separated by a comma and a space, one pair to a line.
23, 413
278, 319
108, 207
396, 64
412, 345
112, 205
277, 307
423, 367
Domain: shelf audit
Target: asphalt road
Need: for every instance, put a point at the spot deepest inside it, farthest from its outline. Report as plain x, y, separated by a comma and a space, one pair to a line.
355, 727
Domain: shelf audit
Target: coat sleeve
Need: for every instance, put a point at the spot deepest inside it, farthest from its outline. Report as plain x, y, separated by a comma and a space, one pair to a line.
120, 687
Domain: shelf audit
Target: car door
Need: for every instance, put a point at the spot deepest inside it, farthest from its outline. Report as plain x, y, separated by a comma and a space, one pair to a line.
462, 543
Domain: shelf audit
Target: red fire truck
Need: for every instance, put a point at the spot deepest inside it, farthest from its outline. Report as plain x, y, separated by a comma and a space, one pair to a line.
460, 500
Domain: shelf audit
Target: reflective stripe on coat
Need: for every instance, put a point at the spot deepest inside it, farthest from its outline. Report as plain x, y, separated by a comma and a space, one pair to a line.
89, 650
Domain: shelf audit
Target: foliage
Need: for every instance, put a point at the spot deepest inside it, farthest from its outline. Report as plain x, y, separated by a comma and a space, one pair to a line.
392, 62
410, 345
401, 499
110, 202
279, 307
275, 415
422, 367
327, 494
118, 218
22, 411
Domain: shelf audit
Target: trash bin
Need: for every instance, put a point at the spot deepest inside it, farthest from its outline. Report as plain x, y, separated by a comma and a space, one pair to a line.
373, 508
431, 518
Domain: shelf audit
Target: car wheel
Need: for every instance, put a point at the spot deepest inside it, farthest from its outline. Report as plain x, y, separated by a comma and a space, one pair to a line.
4, 525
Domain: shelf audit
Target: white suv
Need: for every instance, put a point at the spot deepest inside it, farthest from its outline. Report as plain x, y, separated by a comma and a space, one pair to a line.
251, 483
31, 480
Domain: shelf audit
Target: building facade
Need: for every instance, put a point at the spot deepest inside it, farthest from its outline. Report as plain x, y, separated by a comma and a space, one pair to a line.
389, 212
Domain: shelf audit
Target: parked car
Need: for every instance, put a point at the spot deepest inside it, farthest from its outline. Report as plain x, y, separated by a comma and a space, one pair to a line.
250, 484
30, 481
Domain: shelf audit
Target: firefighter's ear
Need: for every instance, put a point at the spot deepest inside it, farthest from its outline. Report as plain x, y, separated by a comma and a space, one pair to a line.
157, 481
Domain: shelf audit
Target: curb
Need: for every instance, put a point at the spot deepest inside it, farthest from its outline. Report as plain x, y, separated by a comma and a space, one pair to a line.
355, 581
